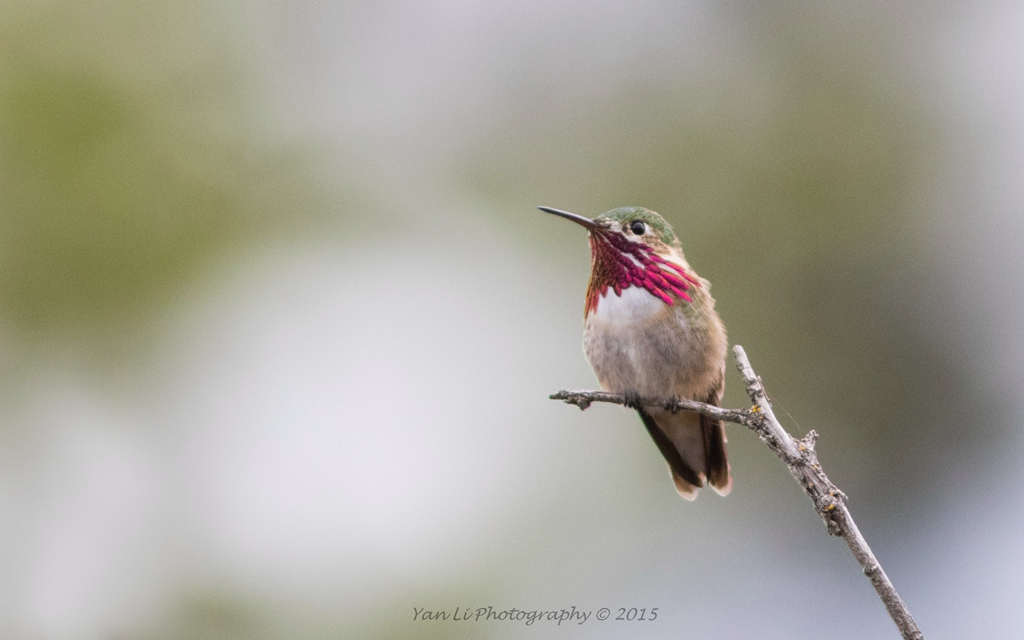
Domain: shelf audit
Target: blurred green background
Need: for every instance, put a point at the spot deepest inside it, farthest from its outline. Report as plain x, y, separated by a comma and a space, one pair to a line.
278, 318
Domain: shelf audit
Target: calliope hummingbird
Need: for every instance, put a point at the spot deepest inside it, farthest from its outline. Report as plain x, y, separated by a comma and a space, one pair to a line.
651, 331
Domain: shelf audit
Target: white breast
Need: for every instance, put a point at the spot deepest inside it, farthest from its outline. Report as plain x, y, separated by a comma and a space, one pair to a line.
633, 346
633, 308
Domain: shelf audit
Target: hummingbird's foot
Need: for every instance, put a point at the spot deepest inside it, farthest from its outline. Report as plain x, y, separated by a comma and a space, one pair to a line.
632, 400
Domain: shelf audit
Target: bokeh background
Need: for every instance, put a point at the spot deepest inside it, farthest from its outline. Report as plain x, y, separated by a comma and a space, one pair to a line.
278, 318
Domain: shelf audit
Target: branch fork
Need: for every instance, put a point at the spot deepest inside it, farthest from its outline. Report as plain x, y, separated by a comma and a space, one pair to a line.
800, 456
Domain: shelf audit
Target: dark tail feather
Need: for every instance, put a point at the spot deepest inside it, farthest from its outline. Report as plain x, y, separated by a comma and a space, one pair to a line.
715, 456
668, 450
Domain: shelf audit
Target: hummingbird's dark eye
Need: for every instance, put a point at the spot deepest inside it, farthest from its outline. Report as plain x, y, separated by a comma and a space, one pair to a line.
637, 227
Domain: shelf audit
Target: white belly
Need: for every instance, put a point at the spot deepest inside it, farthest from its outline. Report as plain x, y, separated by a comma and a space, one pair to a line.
637, 343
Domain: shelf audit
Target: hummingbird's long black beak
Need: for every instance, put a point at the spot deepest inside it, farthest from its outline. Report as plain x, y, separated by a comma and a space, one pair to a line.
586, 222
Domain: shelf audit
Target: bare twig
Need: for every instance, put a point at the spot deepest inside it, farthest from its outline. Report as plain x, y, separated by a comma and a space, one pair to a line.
801, 459
582, 399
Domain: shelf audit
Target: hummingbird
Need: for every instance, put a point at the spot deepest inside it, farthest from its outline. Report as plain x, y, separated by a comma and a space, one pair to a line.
651, 330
